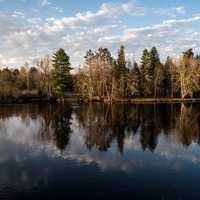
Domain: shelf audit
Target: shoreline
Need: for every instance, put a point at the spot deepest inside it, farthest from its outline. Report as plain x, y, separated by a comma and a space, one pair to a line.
146, 100
26, 100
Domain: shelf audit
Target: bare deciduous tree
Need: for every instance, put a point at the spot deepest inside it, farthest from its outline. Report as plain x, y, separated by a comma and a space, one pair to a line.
45, 66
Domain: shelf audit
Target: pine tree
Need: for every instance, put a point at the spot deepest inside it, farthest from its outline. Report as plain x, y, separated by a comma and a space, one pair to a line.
121, 60
188, 54
119, 67
89, 56
134, 82
62, 79
155, 66
105, 55
150, 62
168, 83
145, 65
120, 72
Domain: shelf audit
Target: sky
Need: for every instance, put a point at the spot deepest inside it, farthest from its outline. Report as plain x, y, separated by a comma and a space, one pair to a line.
31, 29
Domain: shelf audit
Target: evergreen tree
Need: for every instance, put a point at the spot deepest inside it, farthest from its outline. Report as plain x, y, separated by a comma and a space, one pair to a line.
145, 64
105, 55
155, 66
102, 53
188, 54
62, 79
121, 58
121, 62
134, 82
168, 78
120, 72
89, 56
150, 62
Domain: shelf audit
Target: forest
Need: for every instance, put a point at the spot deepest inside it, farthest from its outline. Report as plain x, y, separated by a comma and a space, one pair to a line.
104, 77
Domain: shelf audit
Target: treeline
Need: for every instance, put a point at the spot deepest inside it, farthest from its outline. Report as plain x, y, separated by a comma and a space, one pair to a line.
103, 77
50, 77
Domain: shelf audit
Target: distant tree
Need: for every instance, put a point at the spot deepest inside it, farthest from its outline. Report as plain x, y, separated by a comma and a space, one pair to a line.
34, 78
120, 72
134, 82
15, 75
45, 67
62, 79
22, 79
150, 68
89, 56
6, 76
189, 75
121, 61
26, 73
145, 65
155, 66
189, 53
95, 77
169, 78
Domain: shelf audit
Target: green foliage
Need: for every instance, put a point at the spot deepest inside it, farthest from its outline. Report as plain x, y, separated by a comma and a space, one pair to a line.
145, 65
62, 79
120, 64
150, 61
89, 56
120, 72
134, 81
189, 53
168, 78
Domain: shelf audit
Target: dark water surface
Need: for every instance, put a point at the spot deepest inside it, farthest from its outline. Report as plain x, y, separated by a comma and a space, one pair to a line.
100, 151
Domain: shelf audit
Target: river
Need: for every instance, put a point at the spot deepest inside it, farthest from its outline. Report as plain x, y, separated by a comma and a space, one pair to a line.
100, 151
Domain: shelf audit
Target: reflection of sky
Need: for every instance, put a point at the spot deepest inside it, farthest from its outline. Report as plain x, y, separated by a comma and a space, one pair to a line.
19, 141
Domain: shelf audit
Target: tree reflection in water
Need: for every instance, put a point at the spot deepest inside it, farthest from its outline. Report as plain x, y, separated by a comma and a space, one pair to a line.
55, 124
101, 125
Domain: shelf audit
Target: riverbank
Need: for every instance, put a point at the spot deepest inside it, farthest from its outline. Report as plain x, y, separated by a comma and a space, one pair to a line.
147, 100
75, 98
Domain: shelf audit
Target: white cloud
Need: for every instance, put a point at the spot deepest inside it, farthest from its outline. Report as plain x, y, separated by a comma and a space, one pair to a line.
180, 9
171, 12
105, 13
131, 9
45, 3
28, 38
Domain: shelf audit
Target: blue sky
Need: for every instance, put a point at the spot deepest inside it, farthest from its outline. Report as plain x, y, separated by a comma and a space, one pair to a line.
30, 29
